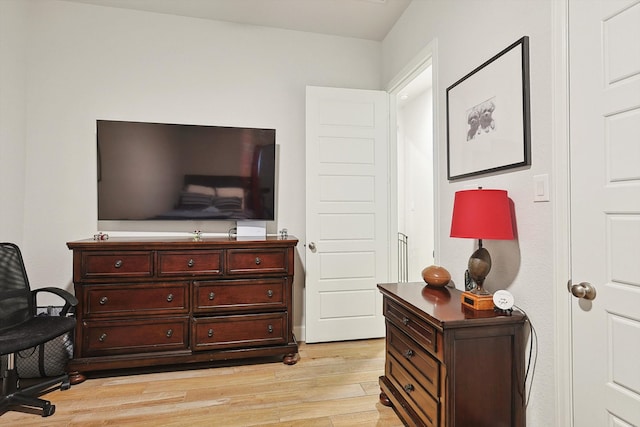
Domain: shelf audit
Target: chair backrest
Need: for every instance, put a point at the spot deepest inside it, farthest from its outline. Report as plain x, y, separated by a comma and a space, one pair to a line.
16, 302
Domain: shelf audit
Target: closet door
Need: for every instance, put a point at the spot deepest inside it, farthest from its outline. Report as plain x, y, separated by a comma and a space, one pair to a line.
605, 210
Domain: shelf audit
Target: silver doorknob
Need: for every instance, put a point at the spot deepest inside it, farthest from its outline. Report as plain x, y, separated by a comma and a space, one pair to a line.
583, 290
312, 246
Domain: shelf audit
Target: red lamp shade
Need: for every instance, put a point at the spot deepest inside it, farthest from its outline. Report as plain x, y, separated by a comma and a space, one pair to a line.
482, 214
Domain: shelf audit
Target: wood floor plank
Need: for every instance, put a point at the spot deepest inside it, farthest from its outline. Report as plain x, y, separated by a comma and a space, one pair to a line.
332, 385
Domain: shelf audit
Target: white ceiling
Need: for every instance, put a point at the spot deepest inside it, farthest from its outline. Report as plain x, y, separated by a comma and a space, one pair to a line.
365, 19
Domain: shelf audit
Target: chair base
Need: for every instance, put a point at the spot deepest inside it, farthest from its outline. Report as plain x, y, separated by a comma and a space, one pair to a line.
14, 399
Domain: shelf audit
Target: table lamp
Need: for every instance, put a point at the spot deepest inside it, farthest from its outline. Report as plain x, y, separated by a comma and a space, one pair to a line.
481, 214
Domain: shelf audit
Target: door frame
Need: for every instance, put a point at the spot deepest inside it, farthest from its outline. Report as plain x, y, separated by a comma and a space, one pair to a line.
561, 212
427, 57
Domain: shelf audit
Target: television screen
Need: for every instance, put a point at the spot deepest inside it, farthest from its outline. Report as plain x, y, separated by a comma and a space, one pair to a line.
158, 171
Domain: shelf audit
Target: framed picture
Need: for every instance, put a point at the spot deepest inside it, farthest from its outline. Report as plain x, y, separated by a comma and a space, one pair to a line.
488, 119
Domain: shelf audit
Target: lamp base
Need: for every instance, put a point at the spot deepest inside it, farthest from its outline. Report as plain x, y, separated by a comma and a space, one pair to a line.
477, 302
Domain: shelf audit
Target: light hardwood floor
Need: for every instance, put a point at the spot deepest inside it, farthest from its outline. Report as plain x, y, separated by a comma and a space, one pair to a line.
333, 384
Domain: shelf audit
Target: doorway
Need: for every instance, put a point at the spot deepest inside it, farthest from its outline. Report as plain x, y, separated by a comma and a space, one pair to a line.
413, 101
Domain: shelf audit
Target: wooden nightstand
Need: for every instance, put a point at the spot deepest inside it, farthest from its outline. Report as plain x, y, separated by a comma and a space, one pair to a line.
448, 365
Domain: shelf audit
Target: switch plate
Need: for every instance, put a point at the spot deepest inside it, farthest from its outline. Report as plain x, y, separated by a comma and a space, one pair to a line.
541, 188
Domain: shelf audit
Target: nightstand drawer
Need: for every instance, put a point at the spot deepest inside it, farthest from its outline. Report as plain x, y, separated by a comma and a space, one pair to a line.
209, 333
117, 265
243, 295
241, 261
419, 330
412, 391
136, 299
103, 338
180, 263
419, 363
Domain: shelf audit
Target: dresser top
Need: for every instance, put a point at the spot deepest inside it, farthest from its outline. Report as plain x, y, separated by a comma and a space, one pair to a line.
186, 242
443, 306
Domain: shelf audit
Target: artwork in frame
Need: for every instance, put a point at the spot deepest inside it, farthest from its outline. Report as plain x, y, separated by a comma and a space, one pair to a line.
488, 118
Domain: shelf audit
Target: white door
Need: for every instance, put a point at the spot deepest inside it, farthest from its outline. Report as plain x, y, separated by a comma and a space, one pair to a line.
347, 251
604, 46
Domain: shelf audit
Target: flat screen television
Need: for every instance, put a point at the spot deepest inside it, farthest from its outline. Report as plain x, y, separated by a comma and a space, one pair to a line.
160, 171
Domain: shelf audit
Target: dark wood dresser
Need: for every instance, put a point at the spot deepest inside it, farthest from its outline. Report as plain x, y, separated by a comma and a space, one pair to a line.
448, 365
164, 301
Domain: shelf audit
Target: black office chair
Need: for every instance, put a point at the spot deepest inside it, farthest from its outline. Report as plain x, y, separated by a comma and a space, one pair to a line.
21, 329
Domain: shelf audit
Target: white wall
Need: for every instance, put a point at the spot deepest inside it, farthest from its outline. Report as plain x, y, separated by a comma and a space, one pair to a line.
87, 62
468, 33
12, 119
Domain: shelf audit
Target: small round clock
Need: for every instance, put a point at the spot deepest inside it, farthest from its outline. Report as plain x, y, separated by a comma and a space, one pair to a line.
503, 300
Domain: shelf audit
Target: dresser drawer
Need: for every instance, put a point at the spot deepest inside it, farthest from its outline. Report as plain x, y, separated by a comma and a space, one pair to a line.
117, 265
250, 261
419, 330
136, 299
221, 296
250, 330
103, 337
180, 263
419, 363
412, 391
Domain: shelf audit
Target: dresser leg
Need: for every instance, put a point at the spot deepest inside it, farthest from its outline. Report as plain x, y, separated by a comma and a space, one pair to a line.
76, 377
384, 399
290, 359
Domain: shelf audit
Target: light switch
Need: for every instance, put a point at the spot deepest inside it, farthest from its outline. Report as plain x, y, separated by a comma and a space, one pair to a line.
541, 188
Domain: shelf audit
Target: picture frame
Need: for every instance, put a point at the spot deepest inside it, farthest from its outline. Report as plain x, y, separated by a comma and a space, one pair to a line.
488, 116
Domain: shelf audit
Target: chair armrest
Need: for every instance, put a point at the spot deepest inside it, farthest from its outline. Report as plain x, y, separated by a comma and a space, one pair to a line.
70, 300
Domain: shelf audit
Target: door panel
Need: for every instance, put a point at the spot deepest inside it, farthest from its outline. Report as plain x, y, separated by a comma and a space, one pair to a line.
347, 213
605, 209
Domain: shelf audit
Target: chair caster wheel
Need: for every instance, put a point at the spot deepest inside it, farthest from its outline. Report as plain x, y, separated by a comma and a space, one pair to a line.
66, 385
48, 409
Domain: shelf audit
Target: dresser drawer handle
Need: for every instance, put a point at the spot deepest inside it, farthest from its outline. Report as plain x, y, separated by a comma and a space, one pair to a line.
169, 333
169, 297
405, 321
408, 353
118, 264
270, 293
102, 338
409, 388
210, 333
103, 300
212, 295
258, 261
190, 263
270, 329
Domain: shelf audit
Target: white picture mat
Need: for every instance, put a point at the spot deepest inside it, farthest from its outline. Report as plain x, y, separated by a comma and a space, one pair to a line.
501, 81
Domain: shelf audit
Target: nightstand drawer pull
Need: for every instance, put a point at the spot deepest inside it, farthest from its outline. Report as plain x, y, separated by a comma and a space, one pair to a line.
103, 300
408, 388
270, 329
212, 295
169, 297
408, 353
102, 338
118, 263
169, 333
405, 321
210, 333
270, 293
258, 261
191, 263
